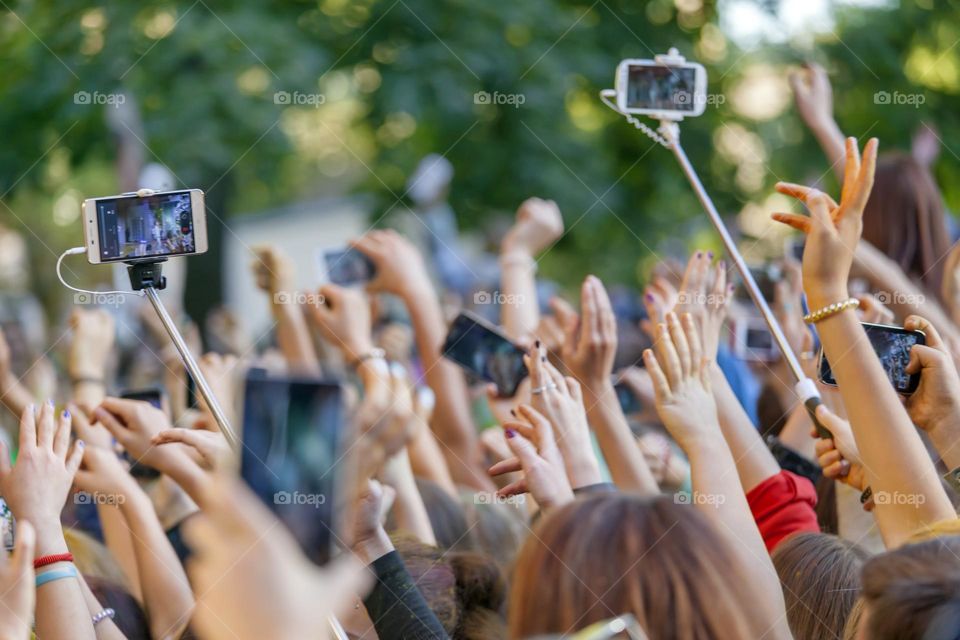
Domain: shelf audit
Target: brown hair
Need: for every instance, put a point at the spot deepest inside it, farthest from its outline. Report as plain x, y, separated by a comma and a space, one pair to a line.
820, 575
904, 219
613, 554
914, 592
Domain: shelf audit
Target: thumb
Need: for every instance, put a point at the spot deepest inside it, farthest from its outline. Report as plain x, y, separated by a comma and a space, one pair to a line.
924, 357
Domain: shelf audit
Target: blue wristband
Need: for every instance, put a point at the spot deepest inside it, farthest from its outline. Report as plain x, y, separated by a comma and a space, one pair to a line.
58, 574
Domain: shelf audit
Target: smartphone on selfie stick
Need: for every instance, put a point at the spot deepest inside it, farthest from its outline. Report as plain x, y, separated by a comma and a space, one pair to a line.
143, 229
669, 88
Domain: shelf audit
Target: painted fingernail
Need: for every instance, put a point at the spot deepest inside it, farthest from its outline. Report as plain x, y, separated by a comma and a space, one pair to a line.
543, 358
81, 444
648, 297
538, 344
699, 254
50, 402
513, 412
511, 433
66, 413
710, 254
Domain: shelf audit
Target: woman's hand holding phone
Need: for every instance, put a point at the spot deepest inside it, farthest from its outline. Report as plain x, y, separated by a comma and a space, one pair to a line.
399, 265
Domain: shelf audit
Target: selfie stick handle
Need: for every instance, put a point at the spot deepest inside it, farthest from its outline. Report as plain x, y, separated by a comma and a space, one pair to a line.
146, 276
805, 388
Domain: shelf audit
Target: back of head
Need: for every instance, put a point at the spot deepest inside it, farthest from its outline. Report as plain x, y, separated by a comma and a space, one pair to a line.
820, 575
481, 592
609, 555
913, 592
904, 218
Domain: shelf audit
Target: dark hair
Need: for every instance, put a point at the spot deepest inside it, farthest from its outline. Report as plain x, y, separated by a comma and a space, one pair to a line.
820, 575
689, 588
914, 592
447, 517
904, 219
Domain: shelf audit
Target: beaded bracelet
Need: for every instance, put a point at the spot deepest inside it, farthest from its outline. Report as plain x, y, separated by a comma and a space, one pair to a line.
831, 310
103, 615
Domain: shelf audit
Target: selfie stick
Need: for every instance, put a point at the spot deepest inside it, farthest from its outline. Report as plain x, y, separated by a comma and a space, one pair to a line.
668, 135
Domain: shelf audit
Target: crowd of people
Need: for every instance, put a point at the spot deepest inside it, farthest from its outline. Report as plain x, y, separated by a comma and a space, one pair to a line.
642, 482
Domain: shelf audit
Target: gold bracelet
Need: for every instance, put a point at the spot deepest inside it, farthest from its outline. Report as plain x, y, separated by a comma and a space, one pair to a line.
831, 310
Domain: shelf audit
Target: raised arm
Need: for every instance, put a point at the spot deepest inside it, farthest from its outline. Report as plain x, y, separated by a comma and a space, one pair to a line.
588, 351
400, 271
36, 488
894, 458
90, 347
814, 97
274, 275
538, 225
166, 595
686, 406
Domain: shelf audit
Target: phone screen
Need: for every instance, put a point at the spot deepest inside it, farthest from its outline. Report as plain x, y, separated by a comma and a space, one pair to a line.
348, 267
486, 353
892, 345
661, 88
7, 526
135, 227
291, 448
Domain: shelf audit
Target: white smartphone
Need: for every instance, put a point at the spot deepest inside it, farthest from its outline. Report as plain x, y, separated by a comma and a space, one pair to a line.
131, 227
651, 88
752, 340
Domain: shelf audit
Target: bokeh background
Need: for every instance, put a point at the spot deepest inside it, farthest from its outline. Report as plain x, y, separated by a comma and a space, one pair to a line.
398, 79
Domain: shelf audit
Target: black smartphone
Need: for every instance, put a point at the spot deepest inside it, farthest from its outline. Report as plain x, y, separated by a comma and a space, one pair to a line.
482, 349
155, 398
291, 451
629, 401
892, 345
348, 267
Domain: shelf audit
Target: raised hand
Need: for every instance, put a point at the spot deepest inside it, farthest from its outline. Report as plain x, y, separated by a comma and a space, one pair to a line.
833, 230
681, 382
272, 270
560, 400
134, 424
250, 571
538, 225
813, 95
591, 339
400, 268
36, 487
537, 455
344, 320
